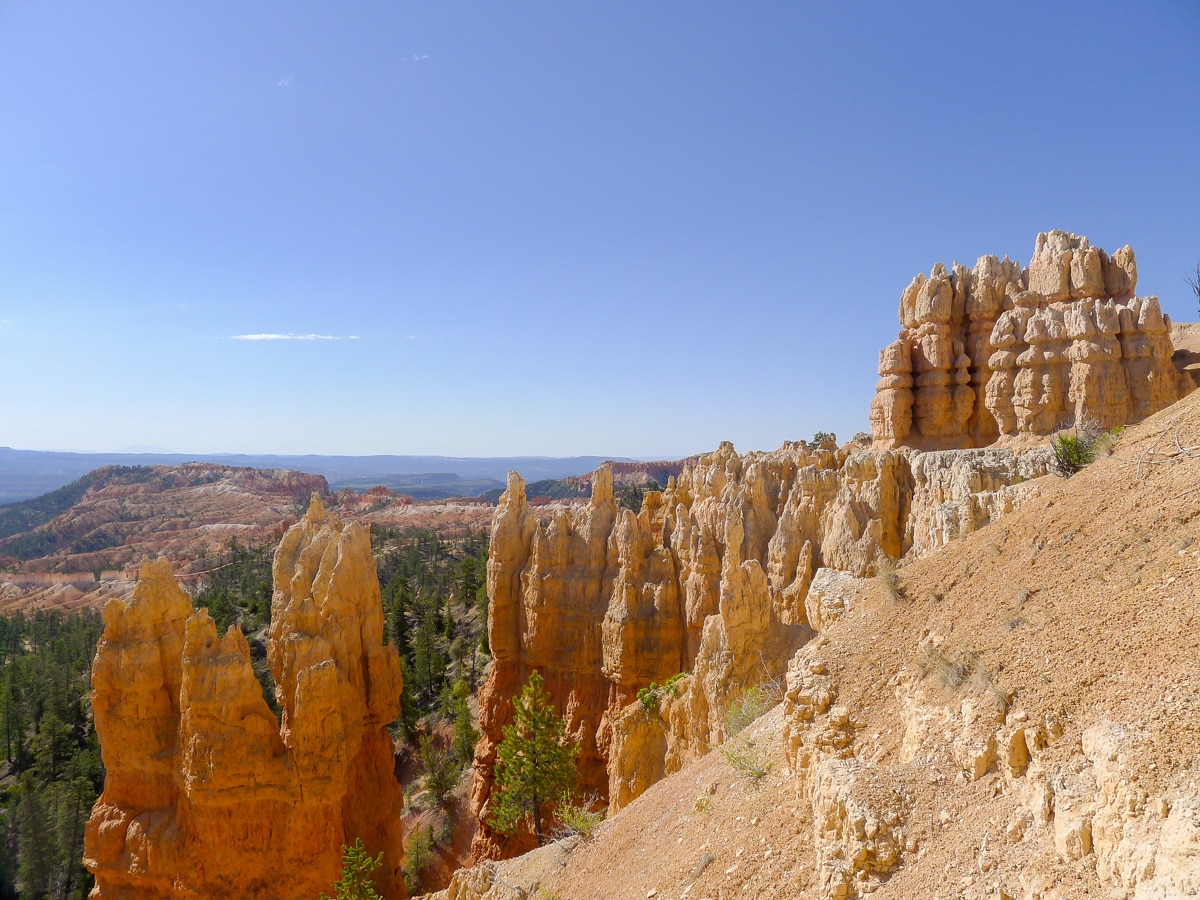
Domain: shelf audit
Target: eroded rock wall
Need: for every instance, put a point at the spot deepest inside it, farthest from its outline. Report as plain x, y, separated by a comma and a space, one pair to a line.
1086, 808
207, 793
710, 579
713, 577
1000, 350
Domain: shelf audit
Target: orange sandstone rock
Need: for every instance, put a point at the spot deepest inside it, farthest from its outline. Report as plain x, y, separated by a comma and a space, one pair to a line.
710, 578
998, 350
207, 794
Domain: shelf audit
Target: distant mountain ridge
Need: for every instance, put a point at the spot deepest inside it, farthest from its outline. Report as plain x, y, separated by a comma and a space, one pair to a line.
30, 473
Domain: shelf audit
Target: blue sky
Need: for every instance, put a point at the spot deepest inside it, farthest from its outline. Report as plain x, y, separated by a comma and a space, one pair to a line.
628, 229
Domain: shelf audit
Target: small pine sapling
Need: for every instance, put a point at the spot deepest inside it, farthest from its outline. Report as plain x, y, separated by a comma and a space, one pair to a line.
358, 867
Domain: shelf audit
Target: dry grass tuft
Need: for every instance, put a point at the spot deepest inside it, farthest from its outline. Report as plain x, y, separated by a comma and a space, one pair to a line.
890, 580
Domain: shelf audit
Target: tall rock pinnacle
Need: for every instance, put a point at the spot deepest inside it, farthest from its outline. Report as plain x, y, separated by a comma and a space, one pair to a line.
209, 794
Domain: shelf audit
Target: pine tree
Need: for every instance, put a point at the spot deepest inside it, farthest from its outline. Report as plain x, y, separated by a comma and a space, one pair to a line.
10, 715
465, 734
397, 597
535, 762
429, 664
36, 846
71, 804
466, 581
442, 769
356, 882
449, 622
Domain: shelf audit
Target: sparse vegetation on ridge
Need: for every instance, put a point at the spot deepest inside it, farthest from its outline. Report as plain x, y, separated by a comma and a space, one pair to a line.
890, 579
746, 757
630, 496
649, 696
751, 704
951, 673
578, 816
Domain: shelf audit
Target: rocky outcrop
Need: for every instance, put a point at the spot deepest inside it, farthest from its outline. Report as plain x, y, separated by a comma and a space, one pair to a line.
1142, 843
957, 492
1090, 808
1000, 351
207, 793
712, 578
858, 809
715, 576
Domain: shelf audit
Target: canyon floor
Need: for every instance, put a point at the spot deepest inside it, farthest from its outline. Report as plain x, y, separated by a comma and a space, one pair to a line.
1074, 615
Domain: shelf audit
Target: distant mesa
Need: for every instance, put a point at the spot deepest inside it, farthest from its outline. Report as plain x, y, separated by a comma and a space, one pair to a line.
29, 473
82, 544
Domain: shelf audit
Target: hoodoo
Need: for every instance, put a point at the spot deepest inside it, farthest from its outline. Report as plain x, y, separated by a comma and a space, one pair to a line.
998, 350
715, 576
207, 793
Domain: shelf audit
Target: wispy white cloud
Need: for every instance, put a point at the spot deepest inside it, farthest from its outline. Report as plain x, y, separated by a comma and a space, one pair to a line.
285, 82
416, 58
271, 336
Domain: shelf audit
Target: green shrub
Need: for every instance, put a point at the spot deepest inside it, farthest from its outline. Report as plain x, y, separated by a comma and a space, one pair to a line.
578, 817
1073, 452
648, 696
671, 685
747, 758
418, 855
753, 702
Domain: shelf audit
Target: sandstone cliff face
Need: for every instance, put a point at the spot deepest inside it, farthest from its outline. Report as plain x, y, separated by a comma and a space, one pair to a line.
998, 350
207, 794
710, 579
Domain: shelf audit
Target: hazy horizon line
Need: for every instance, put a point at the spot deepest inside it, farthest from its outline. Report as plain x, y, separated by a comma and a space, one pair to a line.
161, 452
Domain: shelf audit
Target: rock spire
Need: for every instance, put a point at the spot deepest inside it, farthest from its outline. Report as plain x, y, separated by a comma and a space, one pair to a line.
207, 793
